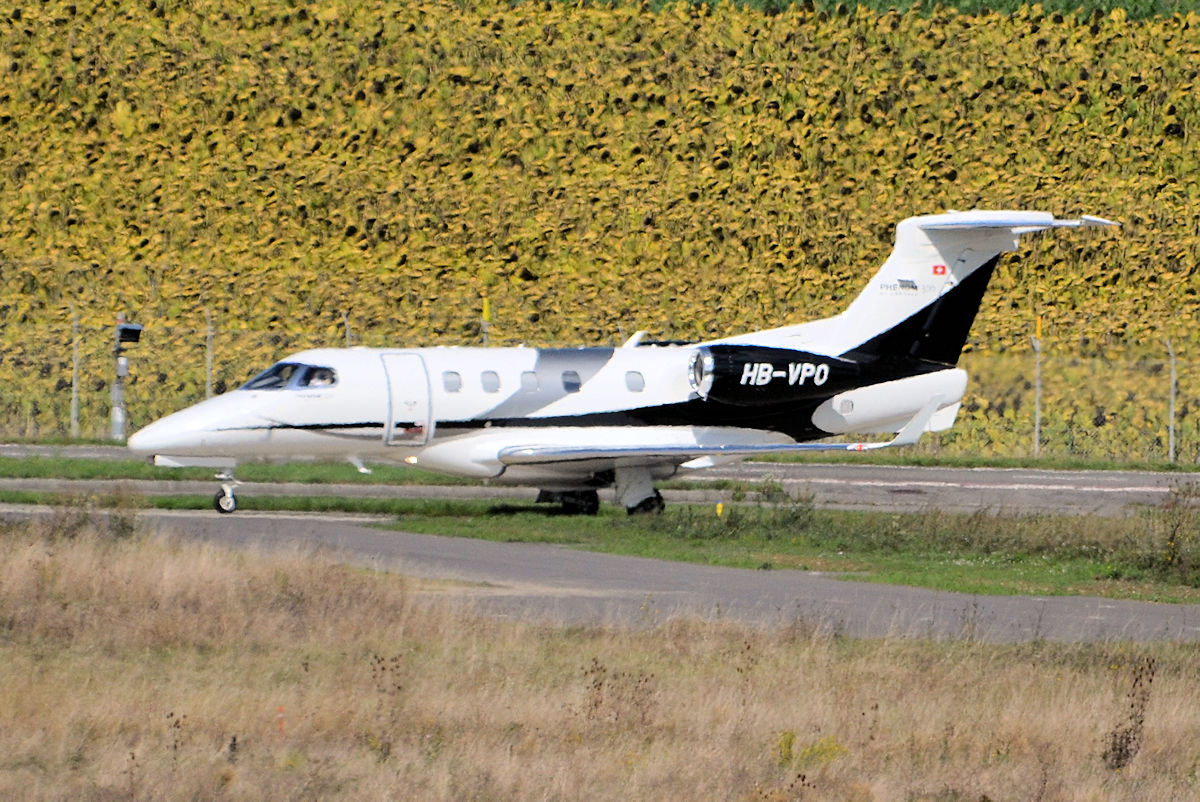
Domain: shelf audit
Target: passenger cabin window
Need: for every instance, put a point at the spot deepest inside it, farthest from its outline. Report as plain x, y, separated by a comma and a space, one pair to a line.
491, 381
451, 381
571, 382
529, 382
635, 381
292, 374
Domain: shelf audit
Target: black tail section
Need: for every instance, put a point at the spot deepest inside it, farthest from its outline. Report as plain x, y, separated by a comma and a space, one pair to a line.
938, 332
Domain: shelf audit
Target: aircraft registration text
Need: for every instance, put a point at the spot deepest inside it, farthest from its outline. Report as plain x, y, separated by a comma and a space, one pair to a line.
796, 374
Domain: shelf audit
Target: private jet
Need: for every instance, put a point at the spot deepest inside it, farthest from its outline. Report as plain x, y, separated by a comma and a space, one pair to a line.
572, 421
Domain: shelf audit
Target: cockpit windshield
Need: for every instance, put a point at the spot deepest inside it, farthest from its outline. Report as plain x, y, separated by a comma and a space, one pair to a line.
292, 374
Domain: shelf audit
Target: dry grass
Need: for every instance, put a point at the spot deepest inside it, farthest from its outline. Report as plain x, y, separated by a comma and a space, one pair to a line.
137, 667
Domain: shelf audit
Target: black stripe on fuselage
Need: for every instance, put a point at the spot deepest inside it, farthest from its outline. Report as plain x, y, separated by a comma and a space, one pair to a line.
792, 417
337, 430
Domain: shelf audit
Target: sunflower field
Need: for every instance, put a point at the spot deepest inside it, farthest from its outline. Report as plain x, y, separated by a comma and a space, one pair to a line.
283, 174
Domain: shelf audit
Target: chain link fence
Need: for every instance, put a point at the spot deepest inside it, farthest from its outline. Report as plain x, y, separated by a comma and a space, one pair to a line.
56, 381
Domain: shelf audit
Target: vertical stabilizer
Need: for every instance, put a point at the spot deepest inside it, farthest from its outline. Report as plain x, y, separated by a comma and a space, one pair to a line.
922, 301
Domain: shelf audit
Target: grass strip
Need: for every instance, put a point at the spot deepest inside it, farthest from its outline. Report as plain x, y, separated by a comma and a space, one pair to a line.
305, 472
1153, 556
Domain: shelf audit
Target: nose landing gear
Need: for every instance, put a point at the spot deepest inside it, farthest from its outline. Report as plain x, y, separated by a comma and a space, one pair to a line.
225, 501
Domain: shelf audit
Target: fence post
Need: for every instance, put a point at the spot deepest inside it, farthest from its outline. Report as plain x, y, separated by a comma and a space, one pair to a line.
208, 356
1037, 387
118, 385
486, 319
75, 431
1171, 406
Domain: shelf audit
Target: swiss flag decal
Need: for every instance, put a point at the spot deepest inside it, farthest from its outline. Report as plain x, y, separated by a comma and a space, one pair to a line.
939, 270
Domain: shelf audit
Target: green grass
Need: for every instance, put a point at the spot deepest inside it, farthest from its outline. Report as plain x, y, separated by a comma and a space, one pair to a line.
67, 467
907, 457
1152, 556
308, 472
966, 553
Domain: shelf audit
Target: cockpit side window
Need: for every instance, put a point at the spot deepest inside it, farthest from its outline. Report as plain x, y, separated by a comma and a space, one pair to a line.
316, 377
275, 377
291, 374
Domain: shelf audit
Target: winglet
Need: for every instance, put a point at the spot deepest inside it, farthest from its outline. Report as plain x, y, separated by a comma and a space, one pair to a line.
911, 432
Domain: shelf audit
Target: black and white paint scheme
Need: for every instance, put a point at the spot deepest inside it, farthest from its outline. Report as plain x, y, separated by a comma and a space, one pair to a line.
572, 421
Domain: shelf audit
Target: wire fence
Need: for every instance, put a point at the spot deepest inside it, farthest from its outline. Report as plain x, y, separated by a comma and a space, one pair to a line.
56, 381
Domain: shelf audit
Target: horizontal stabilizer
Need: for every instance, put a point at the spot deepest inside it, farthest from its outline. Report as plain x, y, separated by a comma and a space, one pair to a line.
1017, 222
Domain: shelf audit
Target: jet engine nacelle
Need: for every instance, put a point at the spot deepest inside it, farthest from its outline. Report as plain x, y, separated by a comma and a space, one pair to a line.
750, 375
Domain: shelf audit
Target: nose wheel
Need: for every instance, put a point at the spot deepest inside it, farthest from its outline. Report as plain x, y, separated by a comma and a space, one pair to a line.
225, 501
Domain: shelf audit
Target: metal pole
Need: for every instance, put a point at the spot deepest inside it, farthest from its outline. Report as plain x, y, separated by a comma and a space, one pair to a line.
75, 431
487, 319
1171, 407
346, 323
1037, 388
118, 385
208, 356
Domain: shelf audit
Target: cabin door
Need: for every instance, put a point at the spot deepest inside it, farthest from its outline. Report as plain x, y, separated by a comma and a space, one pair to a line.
410, 417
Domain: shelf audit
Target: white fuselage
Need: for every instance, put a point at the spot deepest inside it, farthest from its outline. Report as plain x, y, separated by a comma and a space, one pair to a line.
455, 410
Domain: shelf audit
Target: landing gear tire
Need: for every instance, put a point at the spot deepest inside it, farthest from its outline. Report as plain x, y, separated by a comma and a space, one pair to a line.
574, 502
225, 502
583, 502
652, 505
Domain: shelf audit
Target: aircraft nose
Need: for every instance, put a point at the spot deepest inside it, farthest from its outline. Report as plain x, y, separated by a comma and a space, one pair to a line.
216, 427
151, 440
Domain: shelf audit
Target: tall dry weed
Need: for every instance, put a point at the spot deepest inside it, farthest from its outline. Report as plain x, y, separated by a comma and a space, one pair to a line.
1123, 742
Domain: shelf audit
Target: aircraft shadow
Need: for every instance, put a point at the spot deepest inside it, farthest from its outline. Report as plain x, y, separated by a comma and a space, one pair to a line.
548, 510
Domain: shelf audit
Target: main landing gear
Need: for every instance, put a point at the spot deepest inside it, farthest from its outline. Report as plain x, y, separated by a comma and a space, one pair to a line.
225, 501
651, 505
587, 502
574, 502
635, 491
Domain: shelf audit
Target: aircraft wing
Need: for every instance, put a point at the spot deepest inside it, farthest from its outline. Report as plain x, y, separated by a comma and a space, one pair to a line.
679, 454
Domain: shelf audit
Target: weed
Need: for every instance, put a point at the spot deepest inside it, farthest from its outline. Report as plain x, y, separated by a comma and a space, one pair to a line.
1123, 742
785, 746
793, 790
745, 664
823, 750
386, 676
772, 513
617, 697
175, 725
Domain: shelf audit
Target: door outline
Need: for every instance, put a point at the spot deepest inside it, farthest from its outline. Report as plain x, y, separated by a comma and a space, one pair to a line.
410, 412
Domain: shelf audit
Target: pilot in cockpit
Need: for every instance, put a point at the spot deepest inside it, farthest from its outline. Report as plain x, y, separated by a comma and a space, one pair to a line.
321, 377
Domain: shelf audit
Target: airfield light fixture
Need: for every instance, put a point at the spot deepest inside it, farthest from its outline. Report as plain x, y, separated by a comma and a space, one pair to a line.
124, 334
